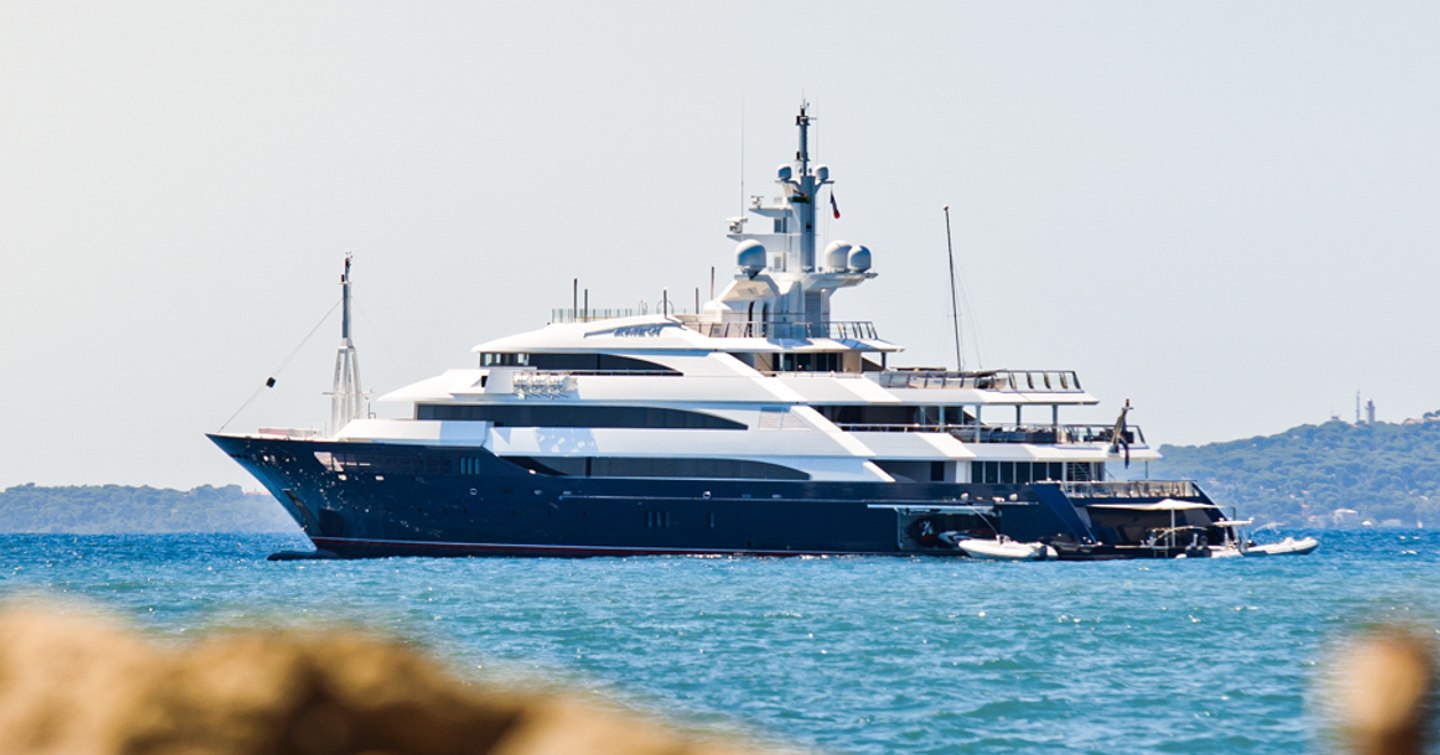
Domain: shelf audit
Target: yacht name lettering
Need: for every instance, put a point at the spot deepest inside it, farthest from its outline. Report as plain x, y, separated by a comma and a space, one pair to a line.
639, 331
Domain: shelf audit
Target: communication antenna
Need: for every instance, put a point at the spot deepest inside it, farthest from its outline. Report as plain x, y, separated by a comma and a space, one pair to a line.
742, 157
954, 297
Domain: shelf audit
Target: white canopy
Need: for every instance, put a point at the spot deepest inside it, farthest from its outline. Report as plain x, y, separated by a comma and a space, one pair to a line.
1167, 504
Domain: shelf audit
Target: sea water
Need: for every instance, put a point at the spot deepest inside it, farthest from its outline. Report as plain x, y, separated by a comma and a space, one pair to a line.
840, 654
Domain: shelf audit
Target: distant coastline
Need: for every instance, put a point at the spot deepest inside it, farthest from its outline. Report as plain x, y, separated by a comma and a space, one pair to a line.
124, 509
1336, 474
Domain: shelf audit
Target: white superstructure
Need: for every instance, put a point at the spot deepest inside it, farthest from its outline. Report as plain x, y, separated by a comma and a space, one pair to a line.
812, 394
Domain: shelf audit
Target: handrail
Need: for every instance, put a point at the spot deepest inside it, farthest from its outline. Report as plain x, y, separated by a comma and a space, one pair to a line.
1005, 381
1043, 434
840, 330
597, 314
1132, 489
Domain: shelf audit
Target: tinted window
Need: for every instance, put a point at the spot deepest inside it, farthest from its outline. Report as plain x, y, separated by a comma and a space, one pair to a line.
494, 359
560, 415
826, 361
596, 363
573, 362
638, 467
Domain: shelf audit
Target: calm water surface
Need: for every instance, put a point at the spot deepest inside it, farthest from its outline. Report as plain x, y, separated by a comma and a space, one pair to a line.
855, 655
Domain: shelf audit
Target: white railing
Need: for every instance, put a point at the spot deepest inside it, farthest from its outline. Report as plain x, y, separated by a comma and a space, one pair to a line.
595, 314
1044, 434
840, 330
1132, 489
543, 384
1007, 381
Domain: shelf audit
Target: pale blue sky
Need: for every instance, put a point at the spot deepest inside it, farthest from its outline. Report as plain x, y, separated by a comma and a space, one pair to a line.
1228, 212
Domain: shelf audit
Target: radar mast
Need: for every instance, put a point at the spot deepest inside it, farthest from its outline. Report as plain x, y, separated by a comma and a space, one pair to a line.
784, 284
804, 191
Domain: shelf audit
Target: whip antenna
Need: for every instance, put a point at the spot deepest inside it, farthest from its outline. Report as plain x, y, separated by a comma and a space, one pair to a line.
954, 300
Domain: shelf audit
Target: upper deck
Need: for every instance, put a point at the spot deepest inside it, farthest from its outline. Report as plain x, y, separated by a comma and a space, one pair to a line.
1005, 381
621, 332
768, 329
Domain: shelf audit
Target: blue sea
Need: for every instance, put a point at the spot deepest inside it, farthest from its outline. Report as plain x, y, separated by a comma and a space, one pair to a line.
848, 654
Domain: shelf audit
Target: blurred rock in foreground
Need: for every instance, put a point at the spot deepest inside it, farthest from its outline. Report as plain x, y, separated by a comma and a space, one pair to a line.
76, 684
1383, 692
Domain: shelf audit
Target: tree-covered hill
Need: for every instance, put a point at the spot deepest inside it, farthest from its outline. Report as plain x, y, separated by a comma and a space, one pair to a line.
1301, 476
96, 509
1386, 472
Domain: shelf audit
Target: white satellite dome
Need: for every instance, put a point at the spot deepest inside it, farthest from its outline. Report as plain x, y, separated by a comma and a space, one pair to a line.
859, 260
750, 256
837, 255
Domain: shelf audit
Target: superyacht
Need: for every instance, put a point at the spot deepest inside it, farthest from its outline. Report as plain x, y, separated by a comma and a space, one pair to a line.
755, 425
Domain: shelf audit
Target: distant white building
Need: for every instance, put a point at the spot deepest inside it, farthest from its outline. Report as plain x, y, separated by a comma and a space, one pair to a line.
1344, 517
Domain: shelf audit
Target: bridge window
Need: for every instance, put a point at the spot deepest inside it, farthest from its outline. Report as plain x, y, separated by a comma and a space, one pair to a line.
1024, 472
825, 361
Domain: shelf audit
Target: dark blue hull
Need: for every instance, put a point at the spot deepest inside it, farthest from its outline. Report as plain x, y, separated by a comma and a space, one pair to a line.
443, 501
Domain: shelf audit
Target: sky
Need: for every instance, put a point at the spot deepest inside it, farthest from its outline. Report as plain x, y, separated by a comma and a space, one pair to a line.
1226, 212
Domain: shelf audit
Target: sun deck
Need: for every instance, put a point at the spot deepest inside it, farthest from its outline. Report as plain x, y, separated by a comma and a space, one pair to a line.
770, 329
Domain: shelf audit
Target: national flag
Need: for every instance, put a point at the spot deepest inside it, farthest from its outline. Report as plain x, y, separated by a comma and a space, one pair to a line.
1120, 436
834, 207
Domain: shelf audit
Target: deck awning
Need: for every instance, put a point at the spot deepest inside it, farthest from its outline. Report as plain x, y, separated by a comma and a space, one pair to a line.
942, 508
1167, 504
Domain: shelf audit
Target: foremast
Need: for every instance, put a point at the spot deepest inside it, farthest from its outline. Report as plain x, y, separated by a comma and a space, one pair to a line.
345, 393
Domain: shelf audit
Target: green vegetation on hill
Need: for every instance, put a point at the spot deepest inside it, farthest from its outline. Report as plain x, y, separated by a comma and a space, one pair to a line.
1301, 476
96, 509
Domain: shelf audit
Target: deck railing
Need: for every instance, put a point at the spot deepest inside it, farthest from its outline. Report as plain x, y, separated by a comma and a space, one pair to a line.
595, 314
840, 330
857, 330
1044, 434
1132, 489
1007, 381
